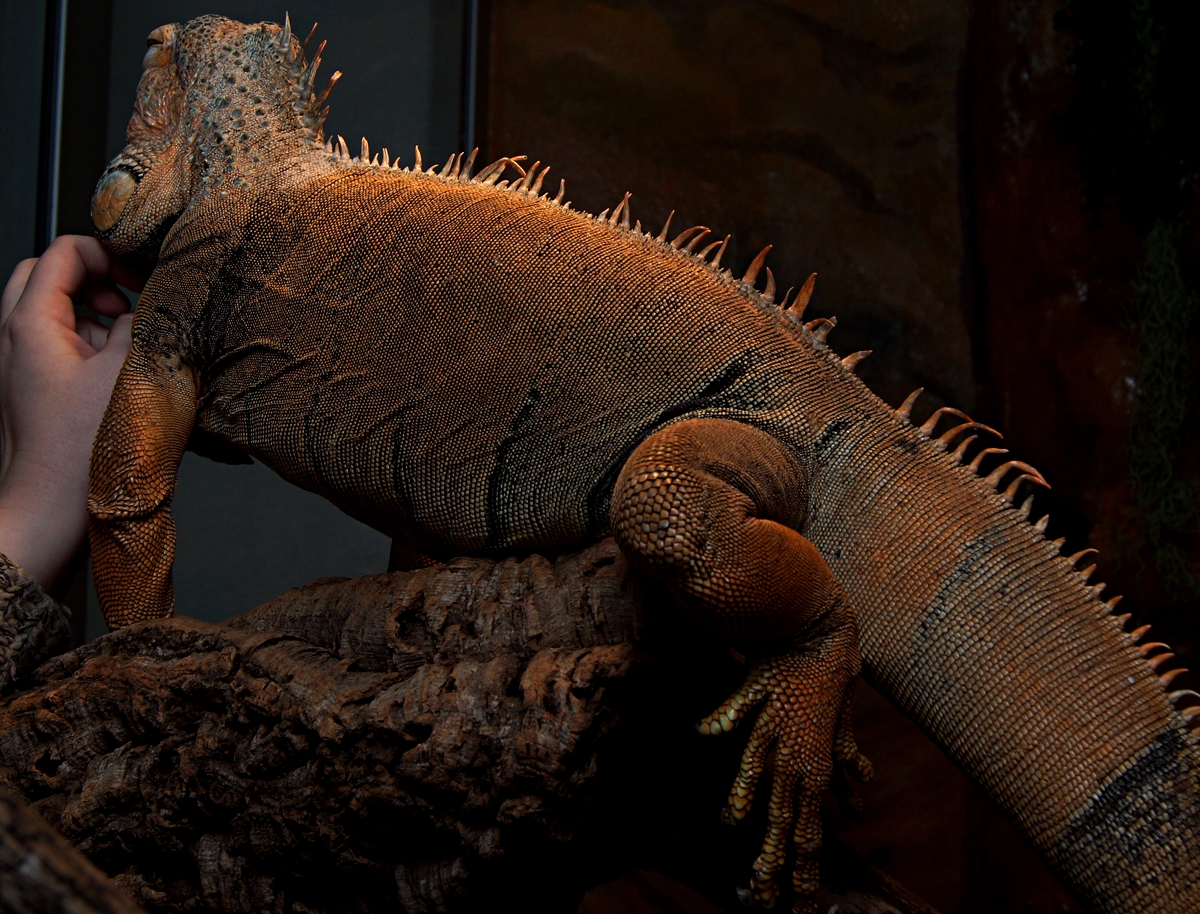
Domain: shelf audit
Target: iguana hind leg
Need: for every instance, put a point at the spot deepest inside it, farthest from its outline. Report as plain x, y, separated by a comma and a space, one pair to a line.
135, 461
712, 506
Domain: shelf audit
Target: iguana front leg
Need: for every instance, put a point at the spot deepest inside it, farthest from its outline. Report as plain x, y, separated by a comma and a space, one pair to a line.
135, 460
711, 506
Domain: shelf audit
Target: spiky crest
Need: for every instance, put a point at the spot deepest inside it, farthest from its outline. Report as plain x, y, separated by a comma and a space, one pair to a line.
301, 75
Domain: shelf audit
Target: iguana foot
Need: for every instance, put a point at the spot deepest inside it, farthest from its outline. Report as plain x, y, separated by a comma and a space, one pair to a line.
849, 765
801, 733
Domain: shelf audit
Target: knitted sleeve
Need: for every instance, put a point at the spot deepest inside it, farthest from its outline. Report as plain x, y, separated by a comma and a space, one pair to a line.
33, 627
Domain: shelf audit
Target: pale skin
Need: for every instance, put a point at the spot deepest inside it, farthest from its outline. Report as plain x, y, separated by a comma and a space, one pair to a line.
56, 374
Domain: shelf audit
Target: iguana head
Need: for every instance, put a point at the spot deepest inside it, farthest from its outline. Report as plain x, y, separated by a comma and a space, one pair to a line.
219, 106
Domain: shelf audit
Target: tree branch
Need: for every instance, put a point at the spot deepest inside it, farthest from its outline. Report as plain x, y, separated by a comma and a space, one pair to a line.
423, 740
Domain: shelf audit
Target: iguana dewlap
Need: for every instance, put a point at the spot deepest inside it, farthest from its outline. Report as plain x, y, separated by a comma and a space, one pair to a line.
470, 366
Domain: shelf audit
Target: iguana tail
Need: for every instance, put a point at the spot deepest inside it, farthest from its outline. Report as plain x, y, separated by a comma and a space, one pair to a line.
975, 626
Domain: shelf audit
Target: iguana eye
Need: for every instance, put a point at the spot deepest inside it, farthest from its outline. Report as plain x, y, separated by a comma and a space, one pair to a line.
159, 44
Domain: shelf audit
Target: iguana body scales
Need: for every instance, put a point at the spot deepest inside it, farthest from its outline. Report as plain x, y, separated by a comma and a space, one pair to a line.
470, 366
473, 424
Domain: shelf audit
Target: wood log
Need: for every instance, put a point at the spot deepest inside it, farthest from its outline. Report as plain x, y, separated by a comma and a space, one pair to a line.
40, 871
431, 740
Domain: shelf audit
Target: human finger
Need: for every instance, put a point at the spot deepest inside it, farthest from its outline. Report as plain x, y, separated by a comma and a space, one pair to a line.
105, 298
94, 333
120, 337
111, 341
14, 287
127, 276
105, 364
59, 275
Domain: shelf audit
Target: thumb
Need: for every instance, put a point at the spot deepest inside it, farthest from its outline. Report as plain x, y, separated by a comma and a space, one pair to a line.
119, 337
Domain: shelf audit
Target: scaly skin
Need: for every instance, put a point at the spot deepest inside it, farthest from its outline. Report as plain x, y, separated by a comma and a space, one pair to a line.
473, 367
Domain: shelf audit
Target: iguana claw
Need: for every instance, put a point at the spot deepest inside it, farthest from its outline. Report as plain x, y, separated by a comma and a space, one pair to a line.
801, 732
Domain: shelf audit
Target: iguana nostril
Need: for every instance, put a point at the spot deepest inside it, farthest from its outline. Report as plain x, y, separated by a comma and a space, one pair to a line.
108, 202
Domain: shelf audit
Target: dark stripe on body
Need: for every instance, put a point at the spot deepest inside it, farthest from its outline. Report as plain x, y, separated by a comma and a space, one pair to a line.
1140, 830
498, 527
720, 391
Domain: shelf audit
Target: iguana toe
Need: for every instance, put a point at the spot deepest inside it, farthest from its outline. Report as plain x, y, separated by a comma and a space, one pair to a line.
796, 729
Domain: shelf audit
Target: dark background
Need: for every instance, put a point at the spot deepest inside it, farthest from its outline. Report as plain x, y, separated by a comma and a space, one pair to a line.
1000, 199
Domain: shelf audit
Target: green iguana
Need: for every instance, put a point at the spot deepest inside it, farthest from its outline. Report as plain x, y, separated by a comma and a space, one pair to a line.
470, 366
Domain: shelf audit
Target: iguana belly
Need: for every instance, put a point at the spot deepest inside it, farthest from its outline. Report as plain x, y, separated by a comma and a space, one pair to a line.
461, 461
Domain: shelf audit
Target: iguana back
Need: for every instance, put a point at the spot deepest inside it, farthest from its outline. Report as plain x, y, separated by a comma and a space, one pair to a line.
455, 364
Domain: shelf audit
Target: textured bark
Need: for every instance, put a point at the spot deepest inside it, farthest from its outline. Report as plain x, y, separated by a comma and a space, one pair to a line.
40, 871
383, 743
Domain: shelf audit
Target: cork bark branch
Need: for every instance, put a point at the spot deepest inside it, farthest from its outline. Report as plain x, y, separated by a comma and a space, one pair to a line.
418, 741
40, 871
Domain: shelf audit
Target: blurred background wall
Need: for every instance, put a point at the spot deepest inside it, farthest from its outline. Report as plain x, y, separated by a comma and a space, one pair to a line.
1000, 199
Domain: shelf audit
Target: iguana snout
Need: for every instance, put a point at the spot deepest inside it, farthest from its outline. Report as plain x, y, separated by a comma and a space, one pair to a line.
147, 185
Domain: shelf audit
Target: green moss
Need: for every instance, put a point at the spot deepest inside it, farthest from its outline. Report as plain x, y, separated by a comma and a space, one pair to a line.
1166, 500
1145, 70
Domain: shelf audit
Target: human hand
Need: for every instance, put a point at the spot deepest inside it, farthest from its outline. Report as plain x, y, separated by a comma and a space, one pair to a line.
56, 374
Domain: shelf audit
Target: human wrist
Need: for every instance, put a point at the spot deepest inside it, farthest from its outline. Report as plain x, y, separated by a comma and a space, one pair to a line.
42, 521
